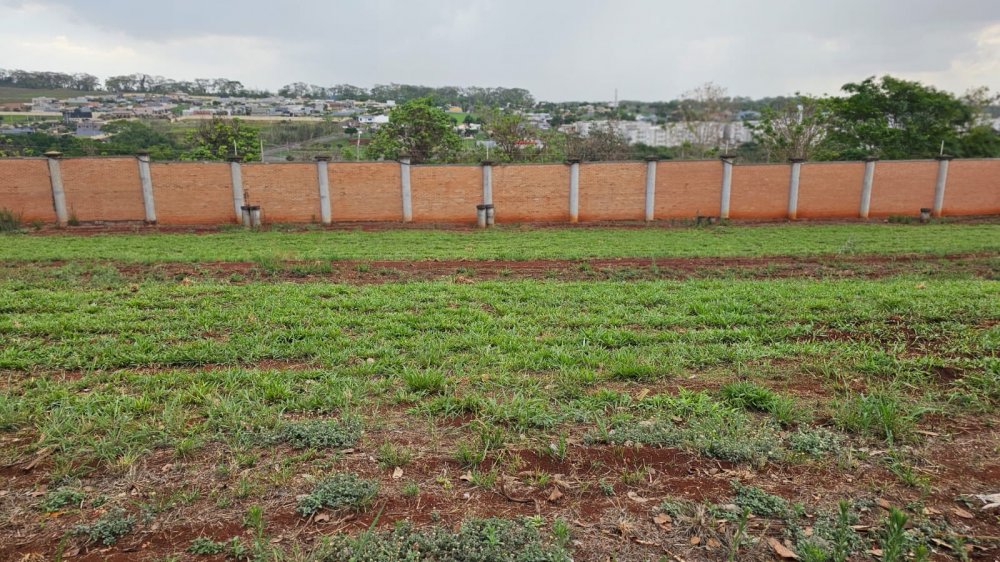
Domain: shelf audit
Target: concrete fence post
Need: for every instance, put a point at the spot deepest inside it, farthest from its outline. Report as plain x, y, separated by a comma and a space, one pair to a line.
146, 180
236, 180
487, 182
727, 184
323, 180
866, 187
58, 193
650, 207
574, 189
793, 188
404, 181
942, 181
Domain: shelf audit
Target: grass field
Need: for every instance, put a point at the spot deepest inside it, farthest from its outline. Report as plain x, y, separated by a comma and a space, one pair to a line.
828, 392
9, 94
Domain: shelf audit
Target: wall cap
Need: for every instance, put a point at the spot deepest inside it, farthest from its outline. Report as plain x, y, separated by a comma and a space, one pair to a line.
571, 161
322, 158
53, 154
944, 157
234, 159
796, 160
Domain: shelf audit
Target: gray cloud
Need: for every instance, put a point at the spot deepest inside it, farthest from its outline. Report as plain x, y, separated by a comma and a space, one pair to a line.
559, 49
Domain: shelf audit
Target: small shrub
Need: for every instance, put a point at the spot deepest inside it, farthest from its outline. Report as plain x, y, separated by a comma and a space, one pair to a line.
814, 442
205, 545
493, 539
108, 528
893, 539
62, 497
339, 491
9, 220
758, 501
318, 434
752, 396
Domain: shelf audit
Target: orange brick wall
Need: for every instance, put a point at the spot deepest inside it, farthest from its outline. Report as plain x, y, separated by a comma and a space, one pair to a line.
903, 188
685, 189
830, 189
192, 193
285, 192
759, 191
25, 189
108, 189
103, 189
973, 187
365, 191
446, 193
527, 193
612, 191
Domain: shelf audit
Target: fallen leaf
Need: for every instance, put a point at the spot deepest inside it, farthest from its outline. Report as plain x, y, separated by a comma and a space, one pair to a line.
713, 543
695, 540
808, 532
663, 520
636, 497
467, 476
781, 550
321, 517
962, 513
883, 503
398, 473
642, 394
555, 495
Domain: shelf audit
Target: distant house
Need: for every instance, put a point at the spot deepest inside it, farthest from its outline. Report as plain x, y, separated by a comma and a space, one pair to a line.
373, 119
454, 109
89, 128
77, 114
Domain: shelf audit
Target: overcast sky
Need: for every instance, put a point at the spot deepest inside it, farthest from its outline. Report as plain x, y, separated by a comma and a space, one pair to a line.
558, 49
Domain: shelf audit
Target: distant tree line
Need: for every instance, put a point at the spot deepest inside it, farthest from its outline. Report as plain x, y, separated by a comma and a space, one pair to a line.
49, 80
466, 97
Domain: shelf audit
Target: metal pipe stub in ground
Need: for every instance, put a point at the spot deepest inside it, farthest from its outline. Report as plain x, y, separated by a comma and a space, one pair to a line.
251, 215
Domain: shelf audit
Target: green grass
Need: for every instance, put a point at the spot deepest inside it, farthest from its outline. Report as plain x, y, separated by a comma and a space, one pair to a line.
11, 94
512, 243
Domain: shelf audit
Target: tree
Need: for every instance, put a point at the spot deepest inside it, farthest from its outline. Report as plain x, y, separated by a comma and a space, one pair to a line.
416, 128
219, 139
508, 130
894, 119
704, 112
601, 143
794, 129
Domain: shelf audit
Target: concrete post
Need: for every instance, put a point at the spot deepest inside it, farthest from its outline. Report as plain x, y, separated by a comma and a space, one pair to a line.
146, 179
650, 188
58, 194
487, 182
727, 184
574, 189
866, 187
404, 180
323, 179
236, 180
942, 181
793, 188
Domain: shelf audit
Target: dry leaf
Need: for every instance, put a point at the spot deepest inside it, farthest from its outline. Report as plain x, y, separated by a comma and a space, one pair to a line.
636, 497
884, 503
781, 550
555, 495
695, 540
467, 476
663, 520
398, 473
713, 543
321, 517
642, 394
962, 513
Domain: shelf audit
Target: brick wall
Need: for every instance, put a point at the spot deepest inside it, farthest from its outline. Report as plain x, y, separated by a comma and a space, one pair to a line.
759, 192
903, 188
103, 189
285, 192
446, 193
25, 189
973, 188
830, 189
612, 191
108, 189
686, 189
526, 193
365, 191
192, 193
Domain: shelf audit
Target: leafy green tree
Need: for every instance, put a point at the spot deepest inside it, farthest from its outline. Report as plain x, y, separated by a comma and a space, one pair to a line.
419, 129
507, 129
795, 128
895, 119
129, 137
219, 139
